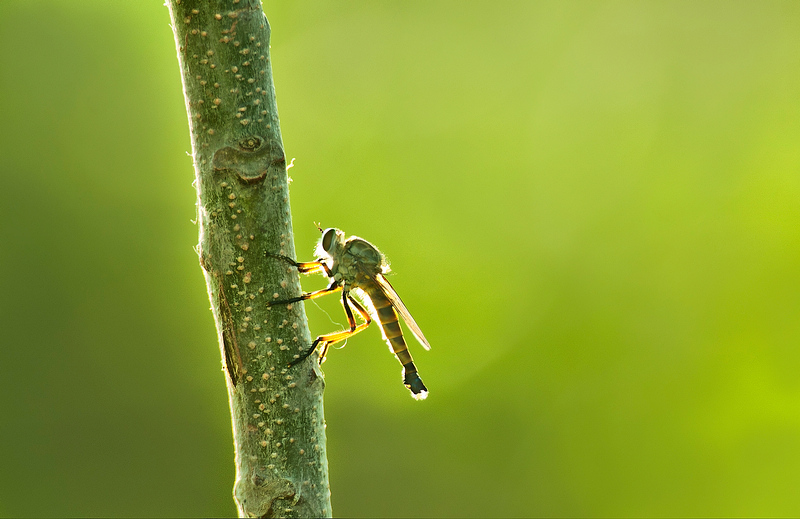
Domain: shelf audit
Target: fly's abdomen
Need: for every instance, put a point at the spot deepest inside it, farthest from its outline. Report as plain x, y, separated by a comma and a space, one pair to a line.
394, 336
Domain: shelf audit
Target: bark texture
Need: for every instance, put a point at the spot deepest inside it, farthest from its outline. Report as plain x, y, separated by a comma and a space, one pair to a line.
243, 211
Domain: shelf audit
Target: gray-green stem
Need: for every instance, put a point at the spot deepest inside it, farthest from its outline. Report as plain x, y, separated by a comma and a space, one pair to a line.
243, 211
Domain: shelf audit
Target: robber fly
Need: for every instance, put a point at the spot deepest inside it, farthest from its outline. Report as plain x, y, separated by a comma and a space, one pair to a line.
355, 265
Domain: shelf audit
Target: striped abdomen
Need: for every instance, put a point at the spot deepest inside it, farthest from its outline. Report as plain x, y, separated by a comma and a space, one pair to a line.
394, 336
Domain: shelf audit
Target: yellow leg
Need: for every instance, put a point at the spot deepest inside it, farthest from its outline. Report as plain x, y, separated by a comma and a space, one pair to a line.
307, 267
332, 289
332, 338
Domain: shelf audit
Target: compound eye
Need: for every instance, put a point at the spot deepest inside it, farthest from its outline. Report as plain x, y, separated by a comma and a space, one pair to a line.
328, 239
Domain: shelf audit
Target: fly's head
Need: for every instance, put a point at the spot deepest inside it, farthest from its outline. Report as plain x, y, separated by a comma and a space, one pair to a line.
330, 245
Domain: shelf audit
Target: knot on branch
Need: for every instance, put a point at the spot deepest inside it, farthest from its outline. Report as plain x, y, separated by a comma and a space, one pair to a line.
250, 159
263, 496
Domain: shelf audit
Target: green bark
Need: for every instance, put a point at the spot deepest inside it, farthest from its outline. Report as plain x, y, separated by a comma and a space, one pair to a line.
243, 211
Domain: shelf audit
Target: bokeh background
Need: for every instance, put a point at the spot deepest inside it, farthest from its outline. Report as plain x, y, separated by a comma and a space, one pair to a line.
591, 209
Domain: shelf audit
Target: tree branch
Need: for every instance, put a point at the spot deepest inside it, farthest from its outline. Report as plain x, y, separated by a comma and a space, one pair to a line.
243, 211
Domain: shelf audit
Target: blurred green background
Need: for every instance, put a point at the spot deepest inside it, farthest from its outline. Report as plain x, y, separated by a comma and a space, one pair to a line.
591, 209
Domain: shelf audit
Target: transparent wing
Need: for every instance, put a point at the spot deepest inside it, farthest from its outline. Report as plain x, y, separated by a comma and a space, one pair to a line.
398, 305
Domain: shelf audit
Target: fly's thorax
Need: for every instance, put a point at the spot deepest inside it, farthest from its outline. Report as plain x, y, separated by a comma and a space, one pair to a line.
352, 261
349, 271
364, 254
347, 277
